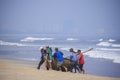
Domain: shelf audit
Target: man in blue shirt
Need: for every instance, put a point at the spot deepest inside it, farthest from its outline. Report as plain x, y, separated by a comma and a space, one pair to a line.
58, 55
73, 61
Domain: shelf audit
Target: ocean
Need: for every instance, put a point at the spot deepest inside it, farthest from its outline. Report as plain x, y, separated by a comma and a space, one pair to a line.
103, 60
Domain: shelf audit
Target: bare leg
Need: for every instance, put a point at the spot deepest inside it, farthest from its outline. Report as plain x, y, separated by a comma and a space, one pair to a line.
82, 71
50, 64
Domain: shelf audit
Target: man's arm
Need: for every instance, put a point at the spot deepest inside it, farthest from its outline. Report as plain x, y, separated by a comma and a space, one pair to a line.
88, 50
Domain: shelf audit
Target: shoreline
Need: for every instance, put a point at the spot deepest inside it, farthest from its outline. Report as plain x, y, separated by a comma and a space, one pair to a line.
101, 67
13, 69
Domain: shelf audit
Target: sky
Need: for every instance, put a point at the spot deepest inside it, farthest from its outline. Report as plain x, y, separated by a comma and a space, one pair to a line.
65, 17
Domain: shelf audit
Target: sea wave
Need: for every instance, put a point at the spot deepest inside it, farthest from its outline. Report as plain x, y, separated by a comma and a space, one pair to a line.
32, 39
71, 39
101, 39
10, 43
103, 53
108, 44
29, 59
65, 49
100, 54
108, 49
116, 45
111, 40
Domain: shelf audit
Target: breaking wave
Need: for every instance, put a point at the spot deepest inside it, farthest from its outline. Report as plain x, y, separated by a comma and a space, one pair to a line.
71, 39
32, 39
111, 40
108, 44
101, 39
104, 44
10, 43
108, 49
100, 54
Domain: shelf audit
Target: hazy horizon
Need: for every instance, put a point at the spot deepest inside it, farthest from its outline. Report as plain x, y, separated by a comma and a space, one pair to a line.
93, 18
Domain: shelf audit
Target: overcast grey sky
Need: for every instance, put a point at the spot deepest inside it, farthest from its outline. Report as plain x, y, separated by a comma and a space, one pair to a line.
77, 17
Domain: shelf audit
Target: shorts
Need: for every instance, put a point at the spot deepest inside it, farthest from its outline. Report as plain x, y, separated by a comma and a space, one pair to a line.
81, 66
59, 64
49, 60
45, 57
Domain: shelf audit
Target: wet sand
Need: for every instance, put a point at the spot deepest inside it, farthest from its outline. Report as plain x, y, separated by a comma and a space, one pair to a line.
12, 69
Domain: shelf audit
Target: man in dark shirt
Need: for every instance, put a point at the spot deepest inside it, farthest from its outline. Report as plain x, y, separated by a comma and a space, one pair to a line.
43, 53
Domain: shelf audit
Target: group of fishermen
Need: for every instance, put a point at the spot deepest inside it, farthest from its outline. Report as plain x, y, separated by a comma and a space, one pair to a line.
73, 63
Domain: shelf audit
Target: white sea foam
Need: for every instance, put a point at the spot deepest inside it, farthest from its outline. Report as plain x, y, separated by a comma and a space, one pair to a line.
115, 45
29, 59
108, 49
66, 49
117, 60
111, 40
71, 39
100, 39
100, 54
31, 39
108, 44
10, 43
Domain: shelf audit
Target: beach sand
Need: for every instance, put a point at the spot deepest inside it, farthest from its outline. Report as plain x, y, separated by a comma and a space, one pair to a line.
11, 69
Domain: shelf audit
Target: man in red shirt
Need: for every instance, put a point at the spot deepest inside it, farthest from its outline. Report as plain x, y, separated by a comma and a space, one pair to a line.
81, 61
